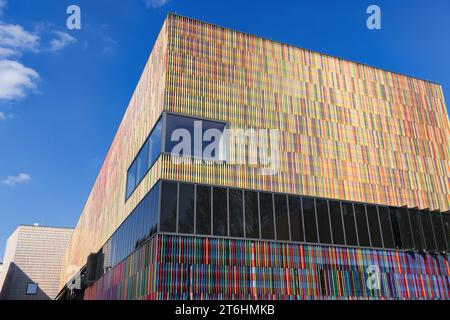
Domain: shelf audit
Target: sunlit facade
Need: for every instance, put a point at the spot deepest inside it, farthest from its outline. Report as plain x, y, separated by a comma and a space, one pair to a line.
362, 183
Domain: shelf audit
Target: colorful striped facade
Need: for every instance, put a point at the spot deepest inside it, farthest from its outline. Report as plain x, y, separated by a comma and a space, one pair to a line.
179, 267
349, 132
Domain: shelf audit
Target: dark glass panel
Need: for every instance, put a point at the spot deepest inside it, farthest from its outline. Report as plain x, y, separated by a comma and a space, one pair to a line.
131, 179
186, 209
439, 231
168, 215
281, 216
361, 224
427, 228
236, 213
393, 212
251, 214
386, 227
336, 222
323, 221
266, 211
349, 224
416, 229
446, 222
295, 212
405, 228
374, 226
220, 216
309, 219
203, 213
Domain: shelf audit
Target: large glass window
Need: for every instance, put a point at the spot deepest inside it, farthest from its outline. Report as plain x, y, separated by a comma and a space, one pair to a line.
386, 227
416, 229
186, 209
281, 216
194, 131
309, 219
439, 231
361, 224
220, 215
168, 217
266, 211
236, 213
374, 226
144, 159
349, 224
295, 215
427, 228
336, 222
203, 213
251, 214
405, 228
323, 221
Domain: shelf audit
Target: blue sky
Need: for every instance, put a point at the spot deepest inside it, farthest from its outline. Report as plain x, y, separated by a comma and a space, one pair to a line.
63, 92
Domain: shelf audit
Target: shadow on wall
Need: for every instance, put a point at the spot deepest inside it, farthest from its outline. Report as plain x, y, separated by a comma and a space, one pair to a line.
15, 286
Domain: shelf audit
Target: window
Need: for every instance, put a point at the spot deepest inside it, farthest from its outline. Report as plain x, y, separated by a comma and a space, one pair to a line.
251, 214
336, 222
386, 227
446, 223
427, 227
203, 213
439, 232
323, 220
396, 227
144, 159
186, 209
374, 226
220, 216
266, 211
416, 229
361, 223
168, 215
349, 224
295, 212
281, 216
131, 179
309, 219
195, 130
32, 288
405, 228
236, 213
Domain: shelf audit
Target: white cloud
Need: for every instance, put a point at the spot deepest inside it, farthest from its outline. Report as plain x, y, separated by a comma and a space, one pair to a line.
16, 80
156, 3
6, 52
11, 181
15, 37
62, 40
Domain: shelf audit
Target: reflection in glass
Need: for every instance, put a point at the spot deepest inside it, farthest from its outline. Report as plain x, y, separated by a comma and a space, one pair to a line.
236, 213
203, 213
386, 227
251, 214
323, 221
295, 212
220, 216
374, 226
361, 223
427, 228
168, 215
336, 222
281, 216
309, 219
349, 224
438, 231
186, 209
266, 211
416, 229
